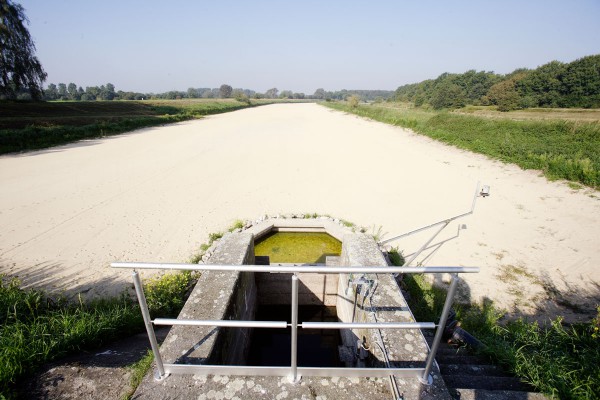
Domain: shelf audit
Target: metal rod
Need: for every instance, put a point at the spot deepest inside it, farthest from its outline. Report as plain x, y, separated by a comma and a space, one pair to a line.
447, 221
418, 252
297, 269
148, 322
440, 330
294, 367
203, 369
222, 323
359, 325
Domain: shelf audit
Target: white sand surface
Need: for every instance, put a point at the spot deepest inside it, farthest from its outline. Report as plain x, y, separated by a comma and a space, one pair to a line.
156, 194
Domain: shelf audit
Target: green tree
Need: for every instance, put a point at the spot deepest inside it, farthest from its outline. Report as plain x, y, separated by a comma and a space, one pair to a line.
91, 93
581, 82
19, 68
319, 94
225, 91
544, 84
72, 91
504, 94
448, 95
271, 93
62, 91
51, 92
192, 93
353, 101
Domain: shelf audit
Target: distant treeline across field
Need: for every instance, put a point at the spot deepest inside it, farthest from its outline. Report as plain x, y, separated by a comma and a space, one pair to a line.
555, 84
73, 92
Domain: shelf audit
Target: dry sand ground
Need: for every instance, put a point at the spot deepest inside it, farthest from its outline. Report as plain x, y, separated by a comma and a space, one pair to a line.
156, 194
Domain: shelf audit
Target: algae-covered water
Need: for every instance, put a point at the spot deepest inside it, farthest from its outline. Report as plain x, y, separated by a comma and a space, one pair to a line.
298, 247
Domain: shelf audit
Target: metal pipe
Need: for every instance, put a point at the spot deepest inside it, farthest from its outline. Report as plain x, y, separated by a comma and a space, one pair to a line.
294, 367
418, 252
203, 369
148, 323
367, 325
221, 323
447, 221
440, 330
298, 269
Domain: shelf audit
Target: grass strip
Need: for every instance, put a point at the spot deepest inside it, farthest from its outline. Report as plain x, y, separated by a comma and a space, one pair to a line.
31, 126
561, 149
559, 360
36, 328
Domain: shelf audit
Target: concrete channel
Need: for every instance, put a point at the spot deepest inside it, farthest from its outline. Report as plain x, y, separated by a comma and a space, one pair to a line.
224, 295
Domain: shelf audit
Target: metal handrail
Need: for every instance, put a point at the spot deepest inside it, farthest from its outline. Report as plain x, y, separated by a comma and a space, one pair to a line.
444, 221
298, 268
421, 373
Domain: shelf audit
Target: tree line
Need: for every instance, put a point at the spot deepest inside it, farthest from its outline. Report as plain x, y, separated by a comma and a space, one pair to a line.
555, 84
71, 91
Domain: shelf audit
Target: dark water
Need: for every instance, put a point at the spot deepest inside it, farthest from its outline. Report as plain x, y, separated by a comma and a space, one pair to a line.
316, 348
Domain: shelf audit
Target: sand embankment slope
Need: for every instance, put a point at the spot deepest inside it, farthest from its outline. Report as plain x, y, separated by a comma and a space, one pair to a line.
155, 195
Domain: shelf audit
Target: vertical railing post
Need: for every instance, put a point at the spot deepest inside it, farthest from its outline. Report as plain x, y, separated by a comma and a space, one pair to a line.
148, 323
294, 378
425, 378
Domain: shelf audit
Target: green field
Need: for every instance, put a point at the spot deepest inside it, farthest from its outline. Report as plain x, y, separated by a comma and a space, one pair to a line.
544, 139
37, 125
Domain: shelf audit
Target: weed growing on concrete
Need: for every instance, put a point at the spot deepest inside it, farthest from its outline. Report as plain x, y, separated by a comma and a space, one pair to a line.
138, 371
396, 257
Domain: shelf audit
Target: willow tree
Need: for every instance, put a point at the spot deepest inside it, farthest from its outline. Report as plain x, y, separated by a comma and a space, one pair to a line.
19, 67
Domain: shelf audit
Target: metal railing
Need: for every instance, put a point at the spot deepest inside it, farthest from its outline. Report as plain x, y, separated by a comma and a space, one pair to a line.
480, 191
294, 372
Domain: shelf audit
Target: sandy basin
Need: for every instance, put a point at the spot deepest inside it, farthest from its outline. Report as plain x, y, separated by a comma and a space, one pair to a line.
156, 194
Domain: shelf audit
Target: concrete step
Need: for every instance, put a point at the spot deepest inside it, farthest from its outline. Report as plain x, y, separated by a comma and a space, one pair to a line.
473, 370
478, 394
461, 359
486, 382
452, 351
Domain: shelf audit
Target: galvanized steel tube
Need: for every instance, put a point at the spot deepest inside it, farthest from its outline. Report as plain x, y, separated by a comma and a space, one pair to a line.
221, 323
440, 329
148, 322
298, 269
374, 325
294, 366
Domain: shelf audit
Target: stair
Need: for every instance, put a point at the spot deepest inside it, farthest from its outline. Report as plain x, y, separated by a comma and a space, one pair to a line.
472, 377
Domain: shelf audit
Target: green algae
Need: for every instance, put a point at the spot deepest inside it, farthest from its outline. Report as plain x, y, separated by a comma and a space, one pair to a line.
298, 247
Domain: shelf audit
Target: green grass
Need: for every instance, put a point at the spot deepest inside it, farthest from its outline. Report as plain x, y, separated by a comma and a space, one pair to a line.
138, 371
38, 125
561, 149
36, 328
559, 360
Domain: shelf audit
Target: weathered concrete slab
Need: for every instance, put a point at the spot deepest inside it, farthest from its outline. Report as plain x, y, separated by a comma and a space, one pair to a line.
321, 224
405, 348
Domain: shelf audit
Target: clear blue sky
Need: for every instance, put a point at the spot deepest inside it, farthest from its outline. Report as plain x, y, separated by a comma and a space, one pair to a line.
156, 46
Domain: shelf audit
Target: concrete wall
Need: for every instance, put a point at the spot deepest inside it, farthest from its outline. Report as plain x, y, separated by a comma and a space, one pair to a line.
313, 289
357, 250
217, 295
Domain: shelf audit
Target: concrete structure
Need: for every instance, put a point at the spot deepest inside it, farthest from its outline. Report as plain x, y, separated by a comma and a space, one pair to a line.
235, 295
